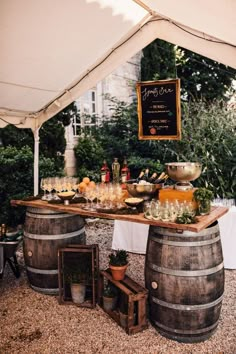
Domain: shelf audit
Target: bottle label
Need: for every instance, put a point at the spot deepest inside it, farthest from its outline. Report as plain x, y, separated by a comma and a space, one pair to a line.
103, 177
124, 177
107, 176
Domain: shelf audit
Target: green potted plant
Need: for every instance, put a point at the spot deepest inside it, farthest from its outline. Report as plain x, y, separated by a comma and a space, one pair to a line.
109, 297
77, 278
203, 197
118, 263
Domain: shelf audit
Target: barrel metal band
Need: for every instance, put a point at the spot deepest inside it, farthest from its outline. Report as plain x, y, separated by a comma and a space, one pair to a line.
54, 237
186, 273
187, 307
48, 216
42, 271
187, 331
45, 290
171, 232
185, 244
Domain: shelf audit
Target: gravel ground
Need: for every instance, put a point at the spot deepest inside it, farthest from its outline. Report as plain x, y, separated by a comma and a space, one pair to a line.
33, 323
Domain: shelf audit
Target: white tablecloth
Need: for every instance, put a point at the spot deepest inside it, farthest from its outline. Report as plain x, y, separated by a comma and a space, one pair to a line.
133, 237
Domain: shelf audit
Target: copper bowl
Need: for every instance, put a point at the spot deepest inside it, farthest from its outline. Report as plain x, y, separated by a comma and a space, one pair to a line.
183, 171
144, 191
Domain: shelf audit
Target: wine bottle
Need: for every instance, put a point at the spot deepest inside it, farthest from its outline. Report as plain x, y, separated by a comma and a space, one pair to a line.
161, 180
145, 176
153, 177
105, 173
125, 172
140, 177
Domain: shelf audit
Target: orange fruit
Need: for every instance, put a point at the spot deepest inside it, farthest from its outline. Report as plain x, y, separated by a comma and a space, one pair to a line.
92, 184
86, 180
82, 186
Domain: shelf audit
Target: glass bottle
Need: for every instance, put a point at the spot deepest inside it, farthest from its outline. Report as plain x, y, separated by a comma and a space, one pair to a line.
105, 173
3, 231
140, 177
145, 176
116, 171
152, 178
125, 172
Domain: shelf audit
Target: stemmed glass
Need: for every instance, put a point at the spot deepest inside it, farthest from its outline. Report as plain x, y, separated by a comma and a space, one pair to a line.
119, 195
74, 183
90, 195
49, 188
43, 186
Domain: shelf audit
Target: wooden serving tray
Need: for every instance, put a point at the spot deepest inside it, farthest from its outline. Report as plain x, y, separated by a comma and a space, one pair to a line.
203, 221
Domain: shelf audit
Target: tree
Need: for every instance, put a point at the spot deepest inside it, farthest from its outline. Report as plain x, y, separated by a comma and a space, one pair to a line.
52, 136
201, 78
158, 61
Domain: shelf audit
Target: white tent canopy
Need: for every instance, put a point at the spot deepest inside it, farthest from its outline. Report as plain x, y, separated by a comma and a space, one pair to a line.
52, 51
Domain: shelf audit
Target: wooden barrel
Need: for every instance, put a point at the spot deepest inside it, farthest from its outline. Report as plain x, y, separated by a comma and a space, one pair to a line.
184, 274
45, 231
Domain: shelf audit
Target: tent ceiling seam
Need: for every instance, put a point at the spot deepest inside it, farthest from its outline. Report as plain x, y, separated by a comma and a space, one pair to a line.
204, 37
28, 87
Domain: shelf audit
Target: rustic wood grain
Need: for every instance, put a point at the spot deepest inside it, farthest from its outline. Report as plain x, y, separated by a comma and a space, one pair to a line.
203, 221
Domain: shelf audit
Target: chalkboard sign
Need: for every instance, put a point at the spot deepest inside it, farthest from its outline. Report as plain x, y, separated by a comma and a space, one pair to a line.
159, 110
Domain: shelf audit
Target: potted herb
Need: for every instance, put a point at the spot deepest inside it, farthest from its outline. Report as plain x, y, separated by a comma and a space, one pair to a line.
109, 297
203, 197
118, 262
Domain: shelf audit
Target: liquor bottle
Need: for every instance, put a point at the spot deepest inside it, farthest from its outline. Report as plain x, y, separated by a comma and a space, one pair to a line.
125, 172
116, 171
105, 173
3, 231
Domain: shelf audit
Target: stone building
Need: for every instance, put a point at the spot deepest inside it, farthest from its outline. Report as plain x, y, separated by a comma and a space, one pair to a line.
120, 84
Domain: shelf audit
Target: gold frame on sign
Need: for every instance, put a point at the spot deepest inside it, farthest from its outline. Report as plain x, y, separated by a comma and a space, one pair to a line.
139, 86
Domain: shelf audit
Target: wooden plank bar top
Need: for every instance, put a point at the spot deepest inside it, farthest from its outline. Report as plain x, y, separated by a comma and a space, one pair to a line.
203, 221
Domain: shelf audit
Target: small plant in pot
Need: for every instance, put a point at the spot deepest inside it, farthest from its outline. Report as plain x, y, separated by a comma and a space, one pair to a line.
109, 297
118, 263
203, 197
77, 279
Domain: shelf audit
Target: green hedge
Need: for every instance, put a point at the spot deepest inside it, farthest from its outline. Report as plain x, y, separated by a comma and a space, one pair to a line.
17, 181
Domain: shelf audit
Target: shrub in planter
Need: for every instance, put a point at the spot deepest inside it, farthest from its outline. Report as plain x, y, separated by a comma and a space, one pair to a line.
118, 263
203, 197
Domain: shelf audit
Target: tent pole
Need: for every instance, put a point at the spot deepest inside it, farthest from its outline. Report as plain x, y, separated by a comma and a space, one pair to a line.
36, 161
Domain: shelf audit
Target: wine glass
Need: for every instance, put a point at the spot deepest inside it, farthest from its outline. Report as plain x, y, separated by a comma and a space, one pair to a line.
90, 194
74, 183
49, 188
43, 185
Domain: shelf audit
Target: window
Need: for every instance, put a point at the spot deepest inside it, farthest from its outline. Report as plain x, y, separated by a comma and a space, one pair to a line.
87, 110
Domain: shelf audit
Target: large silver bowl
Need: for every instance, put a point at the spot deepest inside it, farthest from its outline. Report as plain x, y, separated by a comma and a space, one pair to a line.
144, 191
183, 171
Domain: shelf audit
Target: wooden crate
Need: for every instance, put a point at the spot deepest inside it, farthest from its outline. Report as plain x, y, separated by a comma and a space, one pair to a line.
72, 256
130, 293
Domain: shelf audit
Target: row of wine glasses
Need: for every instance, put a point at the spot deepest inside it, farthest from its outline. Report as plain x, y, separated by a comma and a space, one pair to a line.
53, 185
103, 196
99, 195
167, 211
